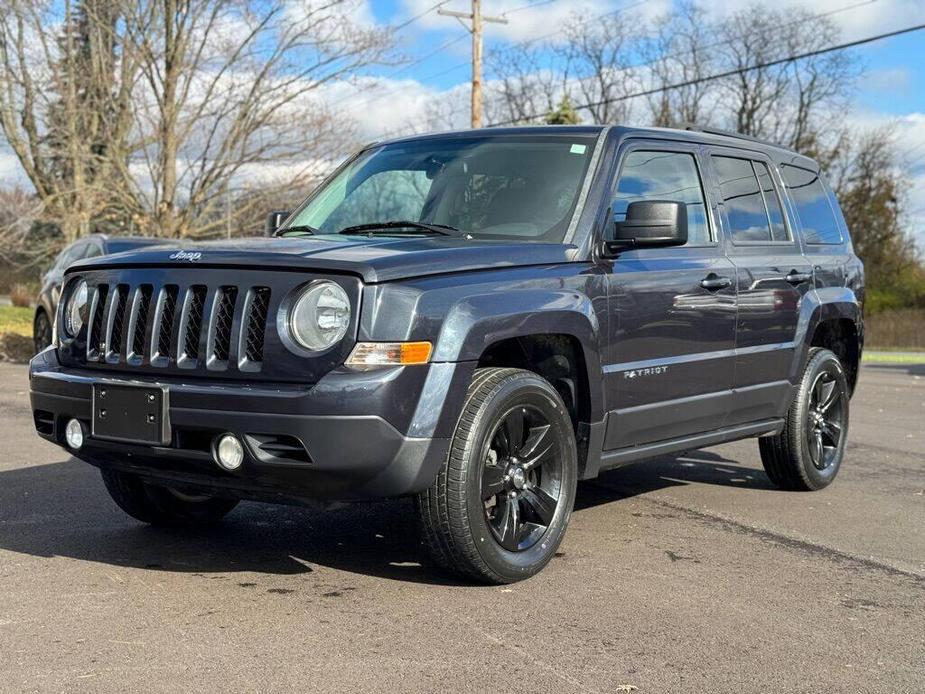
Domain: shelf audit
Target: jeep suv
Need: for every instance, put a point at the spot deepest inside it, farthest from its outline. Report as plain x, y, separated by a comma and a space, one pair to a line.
478, 320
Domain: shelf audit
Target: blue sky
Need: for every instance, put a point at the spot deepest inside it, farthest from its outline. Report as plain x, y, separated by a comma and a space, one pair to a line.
901, 58
400, 99
891, 92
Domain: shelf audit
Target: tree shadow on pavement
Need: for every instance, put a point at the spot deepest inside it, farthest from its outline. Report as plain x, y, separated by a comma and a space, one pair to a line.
62, 509
692, 467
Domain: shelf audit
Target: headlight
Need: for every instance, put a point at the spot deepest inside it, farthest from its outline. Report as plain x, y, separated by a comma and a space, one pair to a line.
320, 316
75, 312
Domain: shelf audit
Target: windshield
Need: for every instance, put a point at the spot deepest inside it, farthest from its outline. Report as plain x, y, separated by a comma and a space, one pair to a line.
522, 187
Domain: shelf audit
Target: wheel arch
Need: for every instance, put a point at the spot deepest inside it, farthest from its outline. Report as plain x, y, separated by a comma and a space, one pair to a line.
834, 322
553, 333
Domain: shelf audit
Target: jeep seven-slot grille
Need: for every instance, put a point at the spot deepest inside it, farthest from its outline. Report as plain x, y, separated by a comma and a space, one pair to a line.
164, 321
186, 327
221, 323
257, 324
96, 345
139, 319
116, 323
195, 302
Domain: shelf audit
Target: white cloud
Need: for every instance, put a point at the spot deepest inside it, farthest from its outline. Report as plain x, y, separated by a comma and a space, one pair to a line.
529, 23
887, 80
856, 19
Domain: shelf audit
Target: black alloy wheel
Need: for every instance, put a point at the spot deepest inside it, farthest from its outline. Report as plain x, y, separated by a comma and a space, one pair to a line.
825, 420
522, 478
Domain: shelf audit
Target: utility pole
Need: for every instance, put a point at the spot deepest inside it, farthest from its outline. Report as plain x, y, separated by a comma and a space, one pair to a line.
475, 16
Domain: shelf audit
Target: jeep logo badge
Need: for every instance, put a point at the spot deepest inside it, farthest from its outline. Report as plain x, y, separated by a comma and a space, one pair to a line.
191, 256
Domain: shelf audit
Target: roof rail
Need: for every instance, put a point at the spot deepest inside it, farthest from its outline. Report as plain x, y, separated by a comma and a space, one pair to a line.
728, 133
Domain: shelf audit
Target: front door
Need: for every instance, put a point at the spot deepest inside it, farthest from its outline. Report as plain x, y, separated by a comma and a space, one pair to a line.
670, 356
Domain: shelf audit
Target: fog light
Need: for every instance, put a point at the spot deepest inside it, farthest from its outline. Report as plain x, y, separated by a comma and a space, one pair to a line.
229, 452
74, 434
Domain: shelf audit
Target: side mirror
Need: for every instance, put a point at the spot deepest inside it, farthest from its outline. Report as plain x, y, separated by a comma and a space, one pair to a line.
275, 219
649, 224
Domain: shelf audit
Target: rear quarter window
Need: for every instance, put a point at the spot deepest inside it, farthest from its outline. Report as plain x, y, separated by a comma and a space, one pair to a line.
813, 205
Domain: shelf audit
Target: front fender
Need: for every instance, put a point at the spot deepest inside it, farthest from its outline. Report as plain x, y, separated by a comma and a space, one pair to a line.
476, 322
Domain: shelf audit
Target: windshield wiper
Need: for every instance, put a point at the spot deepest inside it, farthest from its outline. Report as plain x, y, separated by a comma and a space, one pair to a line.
442, 229
297, 229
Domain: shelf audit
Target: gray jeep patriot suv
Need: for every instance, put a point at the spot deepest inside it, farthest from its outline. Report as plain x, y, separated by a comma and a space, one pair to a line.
476, 319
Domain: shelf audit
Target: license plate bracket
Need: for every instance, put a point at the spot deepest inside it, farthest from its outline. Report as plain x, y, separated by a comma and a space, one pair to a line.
131, 413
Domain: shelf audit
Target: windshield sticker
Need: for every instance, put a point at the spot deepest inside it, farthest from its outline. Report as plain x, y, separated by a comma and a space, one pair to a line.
578, 149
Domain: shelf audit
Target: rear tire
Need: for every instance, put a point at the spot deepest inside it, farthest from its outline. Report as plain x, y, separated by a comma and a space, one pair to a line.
41, 331
807, 454
500, 505
163, 506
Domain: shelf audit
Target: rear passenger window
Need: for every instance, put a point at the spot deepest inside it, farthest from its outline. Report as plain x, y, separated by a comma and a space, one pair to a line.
812, 203
671, 176
751, 203
772, 202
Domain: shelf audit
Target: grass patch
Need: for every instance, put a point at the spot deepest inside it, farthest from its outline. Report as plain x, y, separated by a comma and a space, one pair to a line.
894, 357
16, 320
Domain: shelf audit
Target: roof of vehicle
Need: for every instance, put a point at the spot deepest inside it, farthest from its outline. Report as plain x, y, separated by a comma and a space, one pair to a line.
779, 153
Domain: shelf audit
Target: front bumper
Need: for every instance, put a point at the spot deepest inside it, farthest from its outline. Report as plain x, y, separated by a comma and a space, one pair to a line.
352, 435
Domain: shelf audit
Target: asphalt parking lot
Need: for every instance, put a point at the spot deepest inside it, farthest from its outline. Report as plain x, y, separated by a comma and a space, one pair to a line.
687, 574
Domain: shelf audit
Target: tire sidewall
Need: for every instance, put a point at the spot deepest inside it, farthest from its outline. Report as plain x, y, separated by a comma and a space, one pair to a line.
39, 339
823, 361
524, 389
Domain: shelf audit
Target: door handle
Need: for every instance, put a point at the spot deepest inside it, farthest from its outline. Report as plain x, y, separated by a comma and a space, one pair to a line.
713, 282
798, 277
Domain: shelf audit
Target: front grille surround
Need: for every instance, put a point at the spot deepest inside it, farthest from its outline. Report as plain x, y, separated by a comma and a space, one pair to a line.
203, 322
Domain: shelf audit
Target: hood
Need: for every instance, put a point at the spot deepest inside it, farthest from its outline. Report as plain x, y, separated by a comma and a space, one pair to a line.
377, 259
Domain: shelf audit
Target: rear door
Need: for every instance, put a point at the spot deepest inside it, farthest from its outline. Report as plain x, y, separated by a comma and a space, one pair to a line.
672, 329
773, 276
823, 227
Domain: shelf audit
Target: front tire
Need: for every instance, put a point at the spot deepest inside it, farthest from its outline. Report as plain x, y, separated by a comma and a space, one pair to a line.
163, 506
807, 454
499, 508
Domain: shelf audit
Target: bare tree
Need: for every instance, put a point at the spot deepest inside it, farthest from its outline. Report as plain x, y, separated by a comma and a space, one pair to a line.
227, 92
589, 66
871, 190
524, 82
681, 50
600, 55
64, 104
20, 211
788, 102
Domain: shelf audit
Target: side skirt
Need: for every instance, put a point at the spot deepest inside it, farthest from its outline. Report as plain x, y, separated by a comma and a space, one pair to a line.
616, 458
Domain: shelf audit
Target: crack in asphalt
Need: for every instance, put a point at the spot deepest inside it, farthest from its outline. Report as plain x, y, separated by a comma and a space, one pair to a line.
805, 546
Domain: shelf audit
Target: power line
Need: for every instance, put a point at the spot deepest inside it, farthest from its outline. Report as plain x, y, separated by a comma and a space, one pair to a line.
457, 66
528, 7
731, 73
419, 15
581, 22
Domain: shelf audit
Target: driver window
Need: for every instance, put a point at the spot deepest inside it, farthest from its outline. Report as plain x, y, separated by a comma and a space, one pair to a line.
671, 176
